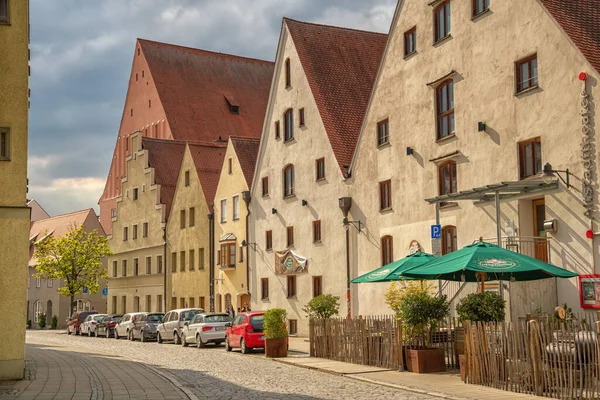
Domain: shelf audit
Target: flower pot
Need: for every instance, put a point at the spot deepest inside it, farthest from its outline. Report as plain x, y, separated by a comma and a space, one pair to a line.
276, 348
423, 361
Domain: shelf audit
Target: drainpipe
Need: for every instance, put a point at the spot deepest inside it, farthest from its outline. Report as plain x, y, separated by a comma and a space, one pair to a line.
165, 268
247, 198
211, 258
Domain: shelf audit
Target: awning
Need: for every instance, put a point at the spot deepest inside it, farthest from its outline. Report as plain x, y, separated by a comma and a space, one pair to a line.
488, 192
229, 237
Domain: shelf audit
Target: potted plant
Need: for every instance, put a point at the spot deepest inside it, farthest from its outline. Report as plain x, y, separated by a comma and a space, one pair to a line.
53, 322
421, 312
276, 333
42, 320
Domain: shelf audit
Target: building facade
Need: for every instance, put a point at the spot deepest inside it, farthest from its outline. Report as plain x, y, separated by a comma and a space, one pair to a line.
14, 213
474, 99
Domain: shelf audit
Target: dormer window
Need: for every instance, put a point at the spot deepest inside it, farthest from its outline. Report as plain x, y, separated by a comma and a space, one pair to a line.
234, 108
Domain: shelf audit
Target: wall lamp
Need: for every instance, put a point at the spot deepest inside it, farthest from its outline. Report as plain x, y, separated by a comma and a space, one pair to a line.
410, 151
549, 174
273, 211
356, 224
481, 126
304, 203
246, 244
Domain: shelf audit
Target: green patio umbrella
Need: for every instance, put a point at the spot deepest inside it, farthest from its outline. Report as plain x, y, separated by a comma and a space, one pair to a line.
391, 271
484, 261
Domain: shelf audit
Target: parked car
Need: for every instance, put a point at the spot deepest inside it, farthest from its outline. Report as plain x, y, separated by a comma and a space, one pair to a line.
205, 328
246, 332
106, 327
125, 326
74, 322
144, 327
88, 326
172, 323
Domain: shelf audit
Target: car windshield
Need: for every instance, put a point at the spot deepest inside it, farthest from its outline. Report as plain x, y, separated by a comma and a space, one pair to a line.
99, 317
188, 315
154, 317
257, 322
116, 318
217, 318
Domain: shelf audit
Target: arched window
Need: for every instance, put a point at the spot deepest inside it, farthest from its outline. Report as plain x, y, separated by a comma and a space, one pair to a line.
387, 250
442, 21
448, 239
288, 181
288, 73
445, 109
447, 178
227, 300
289, 124
37, 310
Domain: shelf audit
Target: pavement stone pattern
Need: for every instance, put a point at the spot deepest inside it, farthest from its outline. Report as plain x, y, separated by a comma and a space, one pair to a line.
216, 374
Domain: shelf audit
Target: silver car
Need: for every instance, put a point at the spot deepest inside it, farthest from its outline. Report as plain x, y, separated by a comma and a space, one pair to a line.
172, 324
205, 328
125, 326
88, 326
144, 327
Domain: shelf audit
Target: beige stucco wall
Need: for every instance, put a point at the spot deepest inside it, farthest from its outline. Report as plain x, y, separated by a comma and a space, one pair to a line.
129, 212
483, 53
326, 259
189, 285
14, 215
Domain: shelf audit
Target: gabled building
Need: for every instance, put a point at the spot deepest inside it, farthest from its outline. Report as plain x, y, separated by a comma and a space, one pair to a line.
182, 93
37, 211
320, 90
232, 236
476, 108
43, 294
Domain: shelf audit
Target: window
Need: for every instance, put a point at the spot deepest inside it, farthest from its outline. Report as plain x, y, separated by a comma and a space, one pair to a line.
114, 269
182, 261
201, 258
149, 101
383, 132
148, 265
124, 268
4, 135
410, 41
447, 177
113, 213
301, 111
265, 186
320, 167
192, 216
218, 257
37, 310
448, 239
148, 303
224, 211
192, 260
134, 233
159, 303
236, 208
174, 262
187, 178
38, 282
442, 21
241, 251
289, 124
230, 165
290, 236
136, 194
527, 73
530, 157
202, 302
192, 302
264, 288
114, 304
293, 323
227, 254
480, 6
385, 195
182, 302
291, 286
135, 267
156, 131
277, 132
317, 285
445, 109
288, 74
288, 181
269, 240
4, 17
159, 264
125, 231
182, 219
316, 231
387, 250
145, 229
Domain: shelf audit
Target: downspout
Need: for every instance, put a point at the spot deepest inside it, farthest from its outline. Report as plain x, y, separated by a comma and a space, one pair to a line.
247, 198
165, 268
211, 259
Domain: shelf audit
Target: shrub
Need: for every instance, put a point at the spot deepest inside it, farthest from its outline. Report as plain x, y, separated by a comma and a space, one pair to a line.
481, 307
274, 323
53, 322
42, 320
322, 307
28, 324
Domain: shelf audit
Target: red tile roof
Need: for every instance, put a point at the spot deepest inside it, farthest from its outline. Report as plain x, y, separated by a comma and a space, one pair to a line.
341, 65
165, 156
246, 150
208, 159
194, 85
580, 19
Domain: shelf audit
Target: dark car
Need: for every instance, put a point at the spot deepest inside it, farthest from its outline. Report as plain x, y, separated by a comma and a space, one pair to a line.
106, 327
144, 327
76, 319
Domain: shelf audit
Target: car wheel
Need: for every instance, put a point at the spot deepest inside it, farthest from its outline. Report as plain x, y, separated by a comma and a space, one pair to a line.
245, 350
184, 342
68, 331
94, 334
142, 336
77, 332
227, 346
130, 335
107, 333
199, 342
176, 338
158, 338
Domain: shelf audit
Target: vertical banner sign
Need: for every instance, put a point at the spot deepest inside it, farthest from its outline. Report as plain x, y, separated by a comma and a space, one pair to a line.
587, 150
436, 240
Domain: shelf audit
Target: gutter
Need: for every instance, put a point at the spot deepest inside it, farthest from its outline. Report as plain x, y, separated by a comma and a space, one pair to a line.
247, 198
211, 257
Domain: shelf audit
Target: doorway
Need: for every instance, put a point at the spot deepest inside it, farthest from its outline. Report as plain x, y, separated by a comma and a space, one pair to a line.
540, 241
49, 310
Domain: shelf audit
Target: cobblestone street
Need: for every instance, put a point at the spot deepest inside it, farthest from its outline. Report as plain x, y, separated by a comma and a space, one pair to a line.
213, 373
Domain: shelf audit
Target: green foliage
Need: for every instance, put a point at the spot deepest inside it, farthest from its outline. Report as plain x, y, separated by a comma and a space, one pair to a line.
28, 324
274, 324
42, 320
481, 307
74, 259
53, 322
322, 307
418, 308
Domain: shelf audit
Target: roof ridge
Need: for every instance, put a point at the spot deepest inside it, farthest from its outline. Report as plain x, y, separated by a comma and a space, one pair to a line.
208, 52
247, 139
334, 26
207, 144
65, 215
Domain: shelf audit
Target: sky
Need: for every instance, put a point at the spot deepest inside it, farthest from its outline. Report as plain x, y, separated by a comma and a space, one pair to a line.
81, 54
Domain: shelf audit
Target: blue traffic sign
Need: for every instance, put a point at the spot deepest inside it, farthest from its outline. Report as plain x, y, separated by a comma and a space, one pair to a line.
85, 289
105, 292
436, 231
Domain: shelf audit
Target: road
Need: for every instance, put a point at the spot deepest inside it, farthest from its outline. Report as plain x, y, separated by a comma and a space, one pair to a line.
215, 374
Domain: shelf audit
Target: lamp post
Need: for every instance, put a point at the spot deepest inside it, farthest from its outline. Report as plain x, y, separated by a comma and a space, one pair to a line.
345, 203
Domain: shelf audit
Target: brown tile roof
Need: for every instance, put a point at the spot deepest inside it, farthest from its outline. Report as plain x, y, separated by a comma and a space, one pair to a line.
580, 19
341, 65
165, 156
246, 150
196, 85
208, 159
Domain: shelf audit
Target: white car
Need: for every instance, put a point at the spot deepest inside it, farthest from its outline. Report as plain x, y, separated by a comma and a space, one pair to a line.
205, 328
88, 326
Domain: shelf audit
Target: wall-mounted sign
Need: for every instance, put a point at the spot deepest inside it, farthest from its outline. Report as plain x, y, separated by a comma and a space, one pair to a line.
288, 263
589, 291
588, 150
436, 231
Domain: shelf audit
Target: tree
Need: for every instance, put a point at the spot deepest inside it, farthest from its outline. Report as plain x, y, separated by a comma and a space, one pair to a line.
322, 307
75, 259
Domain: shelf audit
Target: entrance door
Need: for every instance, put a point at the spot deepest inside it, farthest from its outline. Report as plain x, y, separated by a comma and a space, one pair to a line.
540, 241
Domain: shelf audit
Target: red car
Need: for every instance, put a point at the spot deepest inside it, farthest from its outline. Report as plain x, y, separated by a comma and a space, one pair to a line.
246, 332
76, 320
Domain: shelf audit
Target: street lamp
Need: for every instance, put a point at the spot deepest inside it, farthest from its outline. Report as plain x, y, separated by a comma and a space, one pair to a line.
549, 174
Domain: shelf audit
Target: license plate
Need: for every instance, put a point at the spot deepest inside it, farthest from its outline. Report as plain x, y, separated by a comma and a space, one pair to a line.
262, 338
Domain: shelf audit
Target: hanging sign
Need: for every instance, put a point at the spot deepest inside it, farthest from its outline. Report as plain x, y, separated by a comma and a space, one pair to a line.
288, 263
589, 291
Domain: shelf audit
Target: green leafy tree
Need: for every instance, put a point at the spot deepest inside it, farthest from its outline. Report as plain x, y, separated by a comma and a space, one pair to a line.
42, 320
274, 323
481, 307
322, 307
75, 259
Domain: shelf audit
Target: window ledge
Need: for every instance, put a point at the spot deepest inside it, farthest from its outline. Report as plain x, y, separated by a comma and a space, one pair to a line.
530, 89
292, 140
317, 242
265, 196
291, 196
271, 249
409, 55
386, 210
481, 14
288, 87
384, 145
236, 219
4, 159
265, 300
442, 40
227, 268
446, 138
292, 297
531, 177
448, 205
320, 180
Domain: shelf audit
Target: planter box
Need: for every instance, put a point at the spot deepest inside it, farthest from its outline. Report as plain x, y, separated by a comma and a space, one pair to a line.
276, 348
423, 361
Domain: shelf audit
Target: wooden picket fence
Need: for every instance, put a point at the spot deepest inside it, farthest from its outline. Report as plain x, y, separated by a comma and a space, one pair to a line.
544, 357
